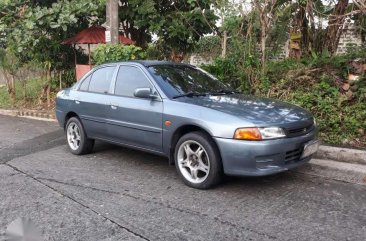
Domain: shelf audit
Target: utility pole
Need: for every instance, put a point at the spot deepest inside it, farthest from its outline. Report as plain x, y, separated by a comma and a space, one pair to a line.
112, 34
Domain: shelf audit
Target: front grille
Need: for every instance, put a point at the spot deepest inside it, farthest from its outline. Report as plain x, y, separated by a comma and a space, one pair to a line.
293, 155
299, 131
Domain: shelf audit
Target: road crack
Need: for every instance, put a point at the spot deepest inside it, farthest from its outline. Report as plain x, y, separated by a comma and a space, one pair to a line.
76, 201
149, 201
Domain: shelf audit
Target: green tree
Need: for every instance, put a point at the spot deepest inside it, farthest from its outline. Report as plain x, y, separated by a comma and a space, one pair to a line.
335, 26
226, 10
33, 30
177, 24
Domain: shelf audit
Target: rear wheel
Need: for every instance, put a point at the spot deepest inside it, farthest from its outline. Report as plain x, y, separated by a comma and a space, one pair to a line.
198, 161
76, 138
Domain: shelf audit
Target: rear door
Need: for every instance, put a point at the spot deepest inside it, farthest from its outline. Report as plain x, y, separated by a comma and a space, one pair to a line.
135, 121
92, 101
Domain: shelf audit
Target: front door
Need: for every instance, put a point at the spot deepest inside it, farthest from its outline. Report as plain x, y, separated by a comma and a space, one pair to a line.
134, 121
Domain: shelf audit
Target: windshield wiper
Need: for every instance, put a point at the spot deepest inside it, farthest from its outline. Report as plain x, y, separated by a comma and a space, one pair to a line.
224, 92
189, 94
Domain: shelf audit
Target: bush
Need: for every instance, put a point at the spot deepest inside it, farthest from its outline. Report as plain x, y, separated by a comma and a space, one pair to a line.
116, 52
156, 51
339, 122
208, 46
33, 89
68, 78
225, 70
314, 83
241, 72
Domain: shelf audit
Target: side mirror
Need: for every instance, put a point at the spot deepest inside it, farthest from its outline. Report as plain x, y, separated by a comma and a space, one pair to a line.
145, 93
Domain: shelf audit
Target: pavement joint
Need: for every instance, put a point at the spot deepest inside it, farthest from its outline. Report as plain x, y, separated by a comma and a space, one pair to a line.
164, 205
76, 201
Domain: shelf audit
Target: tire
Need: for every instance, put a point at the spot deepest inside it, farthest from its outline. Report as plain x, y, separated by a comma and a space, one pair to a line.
77, 141
202, 167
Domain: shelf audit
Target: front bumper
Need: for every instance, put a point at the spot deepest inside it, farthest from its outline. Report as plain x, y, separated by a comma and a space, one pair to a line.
261, 158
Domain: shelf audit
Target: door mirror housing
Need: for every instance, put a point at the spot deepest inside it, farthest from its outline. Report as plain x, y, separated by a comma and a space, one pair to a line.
145, 93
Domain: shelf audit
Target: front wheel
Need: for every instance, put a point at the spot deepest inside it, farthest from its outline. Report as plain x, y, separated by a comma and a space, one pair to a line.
76, 138
198, 161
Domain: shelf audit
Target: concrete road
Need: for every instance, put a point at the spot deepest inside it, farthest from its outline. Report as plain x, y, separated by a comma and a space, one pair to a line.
120, 194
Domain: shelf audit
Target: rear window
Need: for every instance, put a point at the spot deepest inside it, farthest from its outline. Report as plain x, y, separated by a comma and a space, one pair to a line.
101, 80
85, 84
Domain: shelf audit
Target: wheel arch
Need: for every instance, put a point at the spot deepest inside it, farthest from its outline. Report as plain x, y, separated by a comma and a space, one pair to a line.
69, 115
181, 131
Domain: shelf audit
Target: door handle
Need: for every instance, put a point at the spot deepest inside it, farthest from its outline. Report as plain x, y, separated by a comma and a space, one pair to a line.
77, 101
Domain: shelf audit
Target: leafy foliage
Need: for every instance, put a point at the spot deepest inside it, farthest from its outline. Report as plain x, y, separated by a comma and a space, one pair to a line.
156, 51
35, 29
208, 45
225, 70
338, 123
178, 24
316, 84
8, 62
116, 52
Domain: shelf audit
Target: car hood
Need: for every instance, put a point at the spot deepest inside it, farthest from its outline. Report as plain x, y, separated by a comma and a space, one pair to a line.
256, 110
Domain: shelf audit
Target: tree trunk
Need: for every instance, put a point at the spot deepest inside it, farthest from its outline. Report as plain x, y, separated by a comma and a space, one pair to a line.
335, 26
266, 13
24, 89
48, 90
304, 32
263, 48
12, 90
48, 96
61, 72
224, 44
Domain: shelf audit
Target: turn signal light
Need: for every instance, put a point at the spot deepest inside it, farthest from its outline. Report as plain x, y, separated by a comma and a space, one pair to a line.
250, 134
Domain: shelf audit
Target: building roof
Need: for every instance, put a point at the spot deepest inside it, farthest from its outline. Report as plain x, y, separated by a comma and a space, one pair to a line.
94, 35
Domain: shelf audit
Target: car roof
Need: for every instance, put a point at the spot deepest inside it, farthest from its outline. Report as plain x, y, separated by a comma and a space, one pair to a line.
147, 63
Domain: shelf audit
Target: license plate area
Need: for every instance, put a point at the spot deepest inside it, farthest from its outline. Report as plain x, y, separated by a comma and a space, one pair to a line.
310, 148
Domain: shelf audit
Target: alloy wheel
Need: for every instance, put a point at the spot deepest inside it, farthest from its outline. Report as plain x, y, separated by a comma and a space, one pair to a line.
73, 136
193, 161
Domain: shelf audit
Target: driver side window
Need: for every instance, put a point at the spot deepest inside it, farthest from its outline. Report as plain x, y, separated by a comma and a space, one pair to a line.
130, 78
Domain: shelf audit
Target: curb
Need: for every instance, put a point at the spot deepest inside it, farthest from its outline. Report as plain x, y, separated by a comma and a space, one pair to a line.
340, 154
340, 171
31, 114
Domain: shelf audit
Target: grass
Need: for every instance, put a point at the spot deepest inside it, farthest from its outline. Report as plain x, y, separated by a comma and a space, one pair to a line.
5, 101
30, 100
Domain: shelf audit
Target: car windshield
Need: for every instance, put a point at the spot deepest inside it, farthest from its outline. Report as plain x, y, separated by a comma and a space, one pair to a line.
185, 80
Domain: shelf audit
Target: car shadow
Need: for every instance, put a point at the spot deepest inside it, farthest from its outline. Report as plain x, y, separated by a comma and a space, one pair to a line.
144, 159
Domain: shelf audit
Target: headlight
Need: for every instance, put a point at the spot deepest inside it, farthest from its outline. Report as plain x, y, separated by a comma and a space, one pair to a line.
272, 132
315, 124
257, 134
